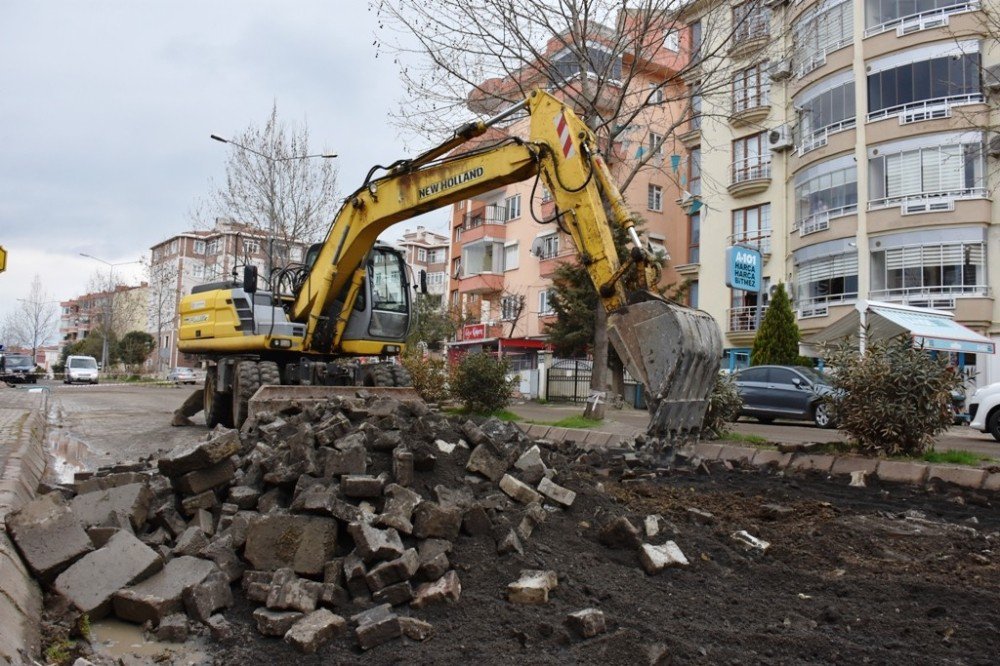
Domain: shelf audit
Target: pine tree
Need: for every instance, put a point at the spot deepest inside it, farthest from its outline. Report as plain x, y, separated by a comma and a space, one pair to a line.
777, 340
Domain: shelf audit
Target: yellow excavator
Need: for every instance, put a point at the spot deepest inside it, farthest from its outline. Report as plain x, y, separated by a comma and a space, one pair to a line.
352, 296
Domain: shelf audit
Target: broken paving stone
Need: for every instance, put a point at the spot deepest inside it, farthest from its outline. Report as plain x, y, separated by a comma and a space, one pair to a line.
858, 479
350, 460
510, 544
333, 595
476, 521
220, 628
48, 535
190, 542
314, 630
620, 533
562, 496
354, 576
376, 626
212, 594
200, 455
402, 466
533, 587
101, 506
483, 461
173, 628
431, 520
361, 486
775, 511
92, 581
168, 518
394, 595
587, 623
205, 521
750, 541
295, 594
448, 588
474, 434
395, 571
460, 498
374, 544
700, 517
161, 594
443, 446
275, 623
206, 500
531, 466
302, 543
244, 497
657, 558
223, 553
99, 536
518, 490
201, 480
416, 630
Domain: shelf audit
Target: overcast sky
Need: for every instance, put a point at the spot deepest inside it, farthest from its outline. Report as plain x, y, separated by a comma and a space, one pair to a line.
106, 107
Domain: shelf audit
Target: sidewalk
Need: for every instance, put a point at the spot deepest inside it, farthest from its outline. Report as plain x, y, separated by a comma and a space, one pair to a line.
22, 463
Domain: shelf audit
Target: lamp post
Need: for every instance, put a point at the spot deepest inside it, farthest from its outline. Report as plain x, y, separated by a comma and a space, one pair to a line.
272, 195
106, 323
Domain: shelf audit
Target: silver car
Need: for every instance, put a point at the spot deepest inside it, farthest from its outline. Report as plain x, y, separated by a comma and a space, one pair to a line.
772, 392
182, 376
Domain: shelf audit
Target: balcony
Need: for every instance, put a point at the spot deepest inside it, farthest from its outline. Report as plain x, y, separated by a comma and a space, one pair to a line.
751, 35
744, 319
549, 263
942, 297
750, 176
821, 137
928, 109
486, 221
748, 110
483, 283
820, 221
939, 17
758, 240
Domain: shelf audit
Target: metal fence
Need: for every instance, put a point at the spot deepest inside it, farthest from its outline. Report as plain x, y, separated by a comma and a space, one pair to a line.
568, 380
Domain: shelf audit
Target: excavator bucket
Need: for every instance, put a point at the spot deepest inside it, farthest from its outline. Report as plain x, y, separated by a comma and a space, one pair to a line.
274, 398
675, 352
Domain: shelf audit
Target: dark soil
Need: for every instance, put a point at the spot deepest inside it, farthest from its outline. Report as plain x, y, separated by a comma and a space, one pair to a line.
887, 575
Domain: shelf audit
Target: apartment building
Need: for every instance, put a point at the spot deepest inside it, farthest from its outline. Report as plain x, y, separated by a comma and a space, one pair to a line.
428, 251
198, 257
504, 247
123, 307
847, 141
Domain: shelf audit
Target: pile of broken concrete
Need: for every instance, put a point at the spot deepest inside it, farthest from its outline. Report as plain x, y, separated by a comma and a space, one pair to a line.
337, 518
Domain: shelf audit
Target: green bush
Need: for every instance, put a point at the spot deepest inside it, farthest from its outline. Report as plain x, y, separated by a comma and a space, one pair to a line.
777, 340
892, 400
480, 381
429, 375
723, 406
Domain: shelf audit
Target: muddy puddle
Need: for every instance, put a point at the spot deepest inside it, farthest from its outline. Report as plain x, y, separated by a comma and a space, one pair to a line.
68, 454
121, 640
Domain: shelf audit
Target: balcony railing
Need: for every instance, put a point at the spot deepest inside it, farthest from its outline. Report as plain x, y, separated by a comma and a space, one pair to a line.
932, 18
930, 202
744, 319
491, 214
751, 168
820, 137
818, 59
928, 109
821, 221
757, 100
755, 26
758, 240
942, 296
820, 305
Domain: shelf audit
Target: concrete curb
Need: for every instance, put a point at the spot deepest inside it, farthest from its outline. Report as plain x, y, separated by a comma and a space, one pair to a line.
23, 437
896, 471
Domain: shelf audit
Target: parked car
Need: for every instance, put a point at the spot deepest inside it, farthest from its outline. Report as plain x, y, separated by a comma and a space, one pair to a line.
984, 410
17, 369
182, 376
772, 392
81, 369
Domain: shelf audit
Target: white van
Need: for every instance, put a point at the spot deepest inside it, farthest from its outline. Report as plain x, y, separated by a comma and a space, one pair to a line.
81, 369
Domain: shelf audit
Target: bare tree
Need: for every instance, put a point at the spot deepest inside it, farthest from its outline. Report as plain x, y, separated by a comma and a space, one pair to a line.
164, 295
35, 321
272, 183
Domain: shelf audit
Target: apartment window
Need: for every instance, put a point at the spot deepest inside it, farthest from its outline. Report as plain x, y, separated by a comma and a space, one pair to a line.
435, 279
456, 298
512, 207
751, 158
510, 257
456, 267
173, 246
197, 271
545, 302
654, 198
510, 307
421, 255
596, 61
656, 144
696, 41
750, 21
823, 109
694, 239
827, 279
212, 248
435, 256
694, 171
546, 195
828, 189
199, 247
751, 87
696, 107
251, 246
549, 246
824, 27
458, 234
692, 294
656, 94
672, 41
882, 15
752, 227
932, 76
929, 269
908, 171
482, 257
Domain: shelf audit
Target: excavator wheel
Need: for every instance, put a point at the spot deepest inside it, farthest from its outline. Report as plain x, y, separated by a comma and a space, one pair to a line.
270, 374
379, 375
401, 376
216, 404
246, 381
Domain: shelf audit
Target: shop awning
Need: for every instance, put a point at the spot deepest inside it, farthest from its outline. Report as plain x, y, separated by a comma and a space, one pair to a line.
932, 329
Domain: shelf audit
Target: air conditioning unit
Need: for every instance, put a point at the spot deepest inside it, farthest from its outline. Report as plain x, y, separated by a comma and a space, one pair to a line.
780, 138
994, 147
781, 70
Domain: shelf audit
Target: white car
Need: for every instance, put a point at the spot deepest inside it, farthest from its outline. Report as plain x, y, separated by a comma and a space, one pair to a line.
984, 410
81, 369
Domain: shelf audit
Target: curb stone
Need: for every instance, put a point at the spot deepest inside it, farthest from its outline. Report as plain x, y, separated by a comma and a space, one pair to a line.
22, 452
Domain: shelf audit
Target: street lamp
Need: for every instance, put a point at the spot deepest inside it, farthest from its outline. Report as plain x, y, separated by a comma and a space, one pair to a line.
271, 161
107, 301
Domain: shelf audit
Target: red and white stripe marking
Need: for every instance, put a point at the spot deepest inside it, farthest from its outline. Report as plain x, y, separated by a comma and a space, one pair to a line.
562, 127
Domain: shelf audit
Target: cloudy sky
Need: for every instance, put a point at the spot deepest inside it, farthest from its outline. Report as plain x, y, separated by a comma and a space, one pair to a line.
107, 107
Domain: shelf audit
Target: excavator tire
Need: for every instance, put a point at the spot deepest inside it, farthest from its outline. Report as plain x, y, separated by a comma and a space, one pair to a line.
270, 374
216, 405
401, 376
379, 375
246, 381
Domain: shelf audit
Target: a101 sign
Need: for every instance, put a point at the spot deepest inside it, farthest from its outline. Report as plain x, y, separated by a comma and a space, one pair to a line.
743, 268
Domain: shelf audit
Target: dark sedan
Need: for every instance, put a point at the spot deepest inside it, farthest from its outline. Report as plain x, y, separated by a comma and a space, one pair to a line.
772, 392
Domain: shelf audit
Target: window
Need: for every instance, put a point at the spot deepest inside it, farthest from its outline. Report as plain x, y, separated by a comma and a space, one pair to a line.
656, 144
694, 238
456, 267
549, 246
656, 94
212, 247
672, 41
882, 15
596, 61
751, 158
510, 307
510, 257
751, 88
458, 234
933, 74
251, 246
545, 302
199, 247
823, 109
657, 247
173, 246
435, 279
953, 170
435, 256
482, 257
546, 195
692, 294
752, 228
695, 41
826, 279
821, 29
654, 198
694, 171
197, 270
512, 207
929, 269
696, 107
421, 255
750, 21
825, 190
